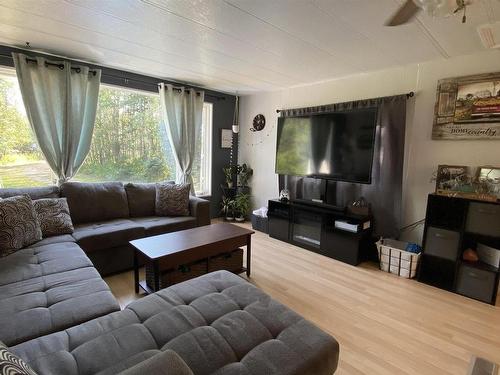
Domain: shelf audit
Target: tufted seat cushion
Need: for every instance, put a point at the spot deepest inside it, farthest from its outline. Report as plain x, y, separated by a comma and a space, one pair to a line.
107, 234
217, 323
47, 288
54, 239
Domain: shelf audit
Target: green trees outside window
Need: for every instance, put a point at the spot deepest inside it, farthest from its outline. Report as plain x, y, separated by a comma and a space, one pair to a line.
126, 145
21, 162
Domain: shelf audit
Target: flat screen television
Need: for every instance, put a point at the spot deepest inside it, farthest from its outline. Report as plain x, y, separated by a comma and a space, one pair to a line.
337, 146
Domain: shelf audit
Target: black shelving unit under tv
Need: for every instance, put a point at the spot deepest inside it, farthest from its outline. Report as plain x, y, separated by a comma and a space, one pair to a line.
312, 227
453, 225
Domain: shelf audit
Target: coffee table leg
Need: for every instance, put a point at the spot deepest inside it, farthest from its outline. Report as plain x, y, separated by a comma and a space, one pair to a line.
156, 275
136, 272
249, 253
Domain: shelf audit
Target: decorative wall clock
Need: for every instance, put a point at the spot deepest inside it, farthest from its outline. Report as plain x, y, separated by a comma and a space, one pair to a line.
260, 132
259, 123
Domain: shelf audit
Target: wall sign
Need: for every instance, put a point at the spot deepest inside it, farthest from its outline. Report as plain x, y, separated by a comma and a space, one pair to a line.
468, 107
226, 138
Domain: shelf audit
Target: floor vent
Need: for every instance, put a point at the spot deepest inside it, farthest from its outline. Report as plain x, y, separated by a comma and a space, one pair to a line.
481, 366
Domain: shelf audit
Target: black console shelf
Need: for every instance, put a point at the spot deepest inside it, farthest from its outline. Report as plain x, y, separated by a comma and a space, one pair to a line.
453, 225
311, 225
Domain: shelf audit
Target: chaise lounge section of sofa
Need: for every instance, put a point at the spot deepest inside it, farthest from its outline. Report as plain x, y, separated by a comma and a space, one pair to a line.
47, 287
217, 324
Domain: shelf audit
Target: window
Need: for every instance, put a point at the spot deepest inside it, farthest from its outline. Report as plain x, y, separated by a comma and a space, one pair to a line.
21, 162
202, 164
126, 144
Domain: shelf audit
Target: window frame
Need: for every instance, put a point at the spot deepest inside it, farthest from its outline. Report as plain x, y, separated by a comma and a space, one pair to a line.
206, 151
133, 84
206, 145
207, 130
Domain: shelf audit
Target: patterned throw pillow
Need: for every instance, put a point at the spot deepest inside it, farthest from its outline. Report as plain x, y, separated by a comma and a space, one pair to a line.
53, 214
172, 199
19, 225
11, 364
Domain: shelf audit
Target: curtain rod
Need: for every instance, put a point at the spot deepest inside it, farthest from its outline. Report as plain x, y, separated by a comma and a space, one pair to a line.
151, 84
188, 90
409, 95
104, 74
197, 94
60, 66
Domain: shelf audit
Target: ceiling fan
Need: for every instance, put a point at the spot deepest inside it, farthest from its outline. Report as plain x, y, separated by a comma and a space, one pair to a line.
438, 8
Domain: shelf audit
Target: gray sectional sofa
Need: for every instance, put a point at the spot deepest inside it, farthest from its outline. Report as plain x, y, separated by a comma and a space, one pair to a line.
58, 315
56, 282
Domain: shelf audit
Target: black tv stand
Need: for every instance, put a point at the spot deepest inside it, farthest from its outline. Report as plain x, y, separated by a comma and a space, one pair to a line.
311, 202
315, 226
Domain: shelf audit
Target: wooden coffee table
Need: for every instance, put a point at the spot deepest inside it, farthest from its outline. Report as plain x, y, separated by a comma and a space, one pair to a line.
171, 250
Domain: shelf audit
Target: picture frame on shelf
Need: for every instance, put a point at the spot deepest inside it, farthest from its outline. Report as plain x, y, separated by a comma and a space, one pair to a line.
457, 181
450, 178
489, 178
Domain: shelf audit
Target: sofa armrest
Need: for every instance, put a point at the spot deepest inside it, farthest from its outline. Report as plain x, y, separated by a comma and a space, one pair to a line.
163, 363
199, 208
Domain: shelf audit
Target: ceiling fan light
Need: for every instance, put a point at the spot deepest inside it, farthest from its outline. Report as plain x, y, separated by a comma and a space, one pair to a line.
437, 8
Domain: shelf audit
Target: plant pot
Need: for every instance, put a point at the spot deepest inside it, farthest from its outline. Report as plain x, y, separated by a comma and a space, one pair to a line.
229, 218
243, 190
239, 219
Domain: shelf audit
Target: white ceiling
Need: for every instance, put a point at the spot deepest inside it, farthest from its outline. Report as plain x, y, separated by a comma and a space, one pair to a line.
240, 45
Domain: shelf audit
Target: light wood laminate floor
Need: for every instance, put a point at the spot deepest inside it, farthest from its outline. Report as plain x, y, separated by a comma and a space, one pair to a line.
384, 324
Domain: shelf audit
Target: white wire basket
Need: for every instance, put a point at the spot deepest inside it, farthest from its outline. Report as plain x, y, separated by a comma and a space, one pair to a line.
395, 259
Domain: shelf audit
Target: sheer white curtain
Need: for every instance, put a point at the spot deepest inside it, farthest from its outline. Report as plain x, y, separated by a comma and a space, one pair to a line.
61, 105
182, 111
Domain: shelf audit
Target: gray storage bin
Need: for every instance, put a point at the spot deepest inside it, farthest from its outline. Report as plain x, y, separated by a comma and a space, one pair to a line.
483, 218
476, 283
442, 243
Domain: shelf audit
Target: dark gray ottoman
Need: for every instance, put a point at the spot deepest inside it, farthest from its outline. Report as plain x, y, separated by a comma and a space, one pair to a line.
217, 324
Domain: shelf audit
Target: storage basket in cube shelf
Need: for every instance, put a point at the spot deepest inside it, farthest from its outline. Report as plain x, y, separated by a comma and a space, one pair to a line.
395, 259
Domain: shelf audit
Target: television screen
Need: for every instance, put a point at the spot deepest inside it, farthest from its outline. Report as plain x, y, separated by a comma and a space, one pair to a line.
337, 146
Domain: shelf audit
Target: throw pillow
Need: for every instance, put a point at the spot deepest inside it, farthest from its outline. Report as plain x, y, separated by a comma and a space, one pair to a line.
53, 214
172, 199
19, 225
12, 364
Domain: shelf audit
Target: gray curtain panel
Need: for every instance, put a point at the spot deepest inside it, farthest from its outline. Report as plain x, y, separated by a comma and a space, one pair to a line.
181, 112
61, 106
385, 192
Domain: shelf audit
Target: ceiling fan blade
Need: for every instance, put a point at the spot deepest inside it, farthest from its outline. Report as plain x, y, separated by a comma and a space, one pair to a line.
404, 14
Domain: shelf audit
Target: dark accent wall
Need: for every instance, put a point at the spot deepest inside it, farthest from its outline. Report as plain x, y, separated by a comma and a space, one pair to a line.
384, 193
223, 110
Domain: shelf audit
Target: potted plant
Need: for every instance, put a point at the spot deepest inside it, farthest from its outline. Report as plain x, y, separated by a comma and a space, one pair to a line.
244, 174
227, 208
228, 174
241, 206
